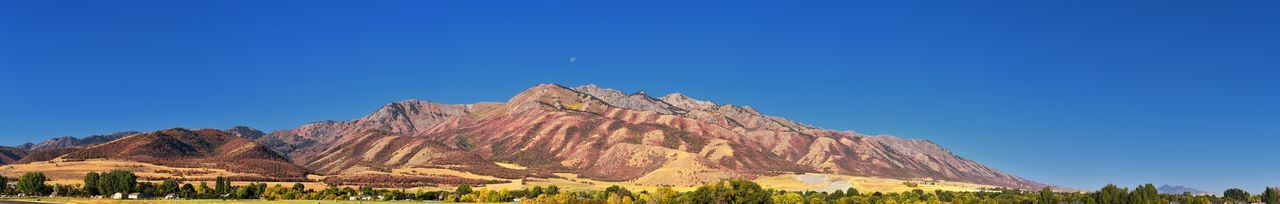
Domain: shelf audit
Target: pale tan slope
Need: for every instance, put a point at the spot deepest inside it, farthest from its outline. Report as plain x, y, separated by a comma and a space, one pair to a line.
63, 172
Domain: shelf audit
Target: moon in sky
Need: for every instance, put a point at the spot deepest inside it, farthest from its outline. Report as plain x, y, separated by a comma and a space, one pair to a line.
573, 59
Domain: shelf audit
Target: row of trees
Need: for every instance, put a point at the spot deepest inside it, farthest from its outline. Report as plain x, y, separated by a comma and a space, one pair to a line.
727, 191
31, 183
117, 181
125, 182
742, 191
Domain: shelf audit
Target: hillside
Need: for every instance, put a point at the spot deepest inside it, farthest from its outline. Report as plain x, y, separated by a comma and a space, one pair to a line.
11, 155
546, 134
204, 148
68, 141
606, 135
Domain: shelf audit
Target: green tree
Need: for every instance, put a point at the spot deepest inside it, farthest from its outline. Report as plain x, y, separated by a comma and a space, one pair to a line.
187, 191
32, 183
204, 189
169, 186
836, 195
731, 191
1046, 196
146, 187
259, 189
117, 181
537, 190
788, 198
1271, 195
366, 191
623, 192
1144, 194
552, 190
91, 183
1201, 200
1111, 194
4, 185
299, 187
244, 192
220, 186
1235, 194
462, 189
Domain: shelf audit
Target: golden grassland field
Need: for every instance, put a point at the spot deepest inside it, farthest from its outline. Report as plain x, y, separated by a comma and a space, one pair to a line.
72, 173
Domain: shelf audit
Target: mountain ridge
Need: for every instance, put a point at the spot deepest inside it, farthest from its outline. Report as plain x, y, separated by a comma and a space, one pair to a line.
581, 129
589, 131
1175, 190
201, 148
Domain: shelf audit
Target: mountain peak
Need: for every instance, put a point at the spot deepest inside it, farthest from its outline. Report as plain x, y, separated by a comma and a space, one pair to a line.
545, 86
553, 96
246, 132
411, 101
688, 103
636, 101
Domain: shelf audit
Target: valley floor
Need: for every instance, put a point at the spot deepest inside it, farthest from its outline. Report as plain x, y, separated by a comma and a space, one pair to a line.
72, 173
111, 201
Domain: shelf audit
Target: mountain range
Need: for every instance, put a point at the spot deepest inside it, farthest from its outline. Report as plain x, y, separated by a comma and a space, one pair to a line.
544, 132
1177, 190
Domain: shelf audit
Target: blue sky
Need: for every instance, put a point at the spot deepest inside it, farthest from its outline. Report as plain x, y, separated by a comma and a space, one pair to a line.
1074, 93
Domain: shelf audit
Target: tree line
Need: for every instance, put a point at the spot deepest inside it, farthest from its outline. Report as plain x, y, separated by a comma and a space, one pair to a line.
726, 191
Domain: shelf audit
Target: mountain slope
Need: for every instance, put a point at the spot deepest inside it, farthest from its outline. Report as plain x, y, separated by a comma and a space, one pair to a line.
68, 141
204, 148
399, 118
246, 132
603, 134
11, 155
53, 148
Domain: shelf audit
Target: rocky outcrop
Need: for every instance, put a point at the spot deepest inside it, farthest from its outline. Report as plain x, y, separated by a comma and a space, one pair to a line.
638, 101
246, 132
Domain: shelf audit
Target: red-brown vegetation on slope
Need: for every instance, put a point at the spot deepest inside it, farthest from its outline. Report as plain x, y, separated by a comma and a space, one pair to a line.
404, 181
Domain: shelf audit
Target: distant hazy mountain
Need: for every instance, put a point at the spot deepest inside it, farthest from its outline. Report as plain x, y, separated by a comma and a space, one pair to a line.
1166, 189
53, 148
68, 141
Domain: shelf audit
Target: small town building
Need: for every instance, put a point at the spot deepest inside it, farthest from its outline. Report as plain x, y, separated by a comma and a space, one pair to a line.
136, 196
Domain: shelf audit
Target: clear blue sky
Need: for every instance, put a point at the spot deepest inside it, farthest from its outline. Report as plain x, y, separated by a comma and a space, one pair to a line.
1074, 93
